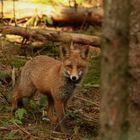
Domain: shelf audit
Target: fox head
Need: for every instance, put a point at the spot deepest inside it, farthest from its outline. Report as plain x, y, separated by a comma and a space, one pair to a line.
74, 61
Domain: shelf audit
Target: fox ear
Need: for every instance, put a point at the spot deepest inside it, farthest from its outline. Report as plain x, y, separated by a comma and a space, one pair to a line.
85, 52
64, 51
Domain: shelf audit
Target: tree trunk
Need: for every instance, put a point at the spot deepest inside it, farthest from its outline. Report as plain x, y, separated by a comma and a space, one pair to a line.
114, 106
44, 35
134, 62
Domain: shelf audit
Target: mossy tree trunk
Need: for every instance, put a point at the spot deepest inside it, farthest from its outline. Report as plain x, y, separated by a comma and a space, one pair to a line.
114, 71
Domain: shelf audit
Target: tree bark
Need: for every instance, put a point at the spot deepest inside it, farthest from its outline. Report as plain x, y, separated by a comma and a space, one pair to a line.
43, 35
134, 62
114, 71
56, 13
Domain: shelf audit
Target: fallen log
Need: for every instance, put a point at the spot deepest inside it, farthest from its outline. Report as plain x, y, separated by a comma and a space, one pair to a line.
44, 35
63, 14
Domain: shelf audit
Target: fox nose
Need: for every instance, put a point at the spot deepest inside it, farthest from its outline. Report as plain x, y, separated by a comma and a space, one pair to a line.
74, 78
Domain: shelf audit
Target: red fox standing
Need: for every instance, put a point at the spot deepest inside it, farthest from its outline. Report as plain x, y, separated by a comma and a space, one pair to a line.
56, 79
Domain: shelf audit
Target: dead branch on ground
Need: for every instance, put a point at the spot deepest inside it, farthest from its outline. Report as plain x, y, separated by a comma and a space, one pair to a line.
45, 35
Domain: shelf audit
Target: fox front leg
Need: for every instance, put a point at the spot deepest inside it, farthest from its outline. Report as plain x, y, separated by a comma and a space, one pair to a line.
50, 107
59, 108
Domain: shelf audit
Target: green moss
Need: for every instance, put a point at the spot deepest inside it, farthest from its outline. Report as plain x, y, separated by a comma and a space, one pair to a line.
13, 61
4, 75
17, 62
93, 75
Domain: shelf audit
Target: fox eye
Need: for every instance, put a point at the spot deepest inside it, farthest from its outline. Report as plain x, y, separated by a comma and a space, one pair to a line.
69, 66
80, 66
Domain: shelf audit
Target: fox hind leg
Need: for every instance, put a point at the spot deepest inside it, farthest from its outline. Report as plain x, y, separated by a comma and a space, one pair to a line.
19, 93
15, 98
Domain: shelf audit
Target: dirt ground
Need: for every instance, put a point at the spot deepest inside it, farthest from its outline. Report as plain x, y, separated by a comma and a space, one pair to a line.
82, 113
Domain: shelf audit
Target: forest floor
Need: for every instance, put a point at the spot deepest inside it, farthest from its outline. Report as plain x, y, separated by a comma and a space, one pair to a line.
82, 113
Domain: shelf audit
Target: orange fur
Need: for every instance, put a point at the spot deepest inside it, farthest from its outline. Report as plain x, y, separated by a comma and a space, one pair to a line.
55, 79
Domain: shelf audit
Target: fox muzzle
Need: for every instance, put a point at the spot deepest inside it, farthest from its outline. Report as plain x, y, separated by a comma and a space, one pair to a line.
73, 78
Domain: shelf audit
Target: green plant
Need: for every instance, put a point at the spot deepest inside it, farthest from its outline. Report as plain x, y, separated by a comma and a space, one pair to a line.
48, 20
11, 134
4, 75
1, 137
73, 113
4, 121
93, 75
42, 101
19, 116
17, 63
33, 106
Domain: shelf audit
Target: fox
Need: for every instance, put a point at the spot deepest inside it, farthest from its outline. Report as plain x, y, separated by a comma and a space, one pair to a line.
57, 79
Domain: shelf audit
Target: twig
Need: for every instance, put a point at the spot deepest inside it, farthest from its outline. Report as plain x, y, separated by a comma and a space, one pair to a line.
13, 76
88, 118
5, 97
83, 99
23, 130
59, 133
14, 12
53, 138
4, 128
